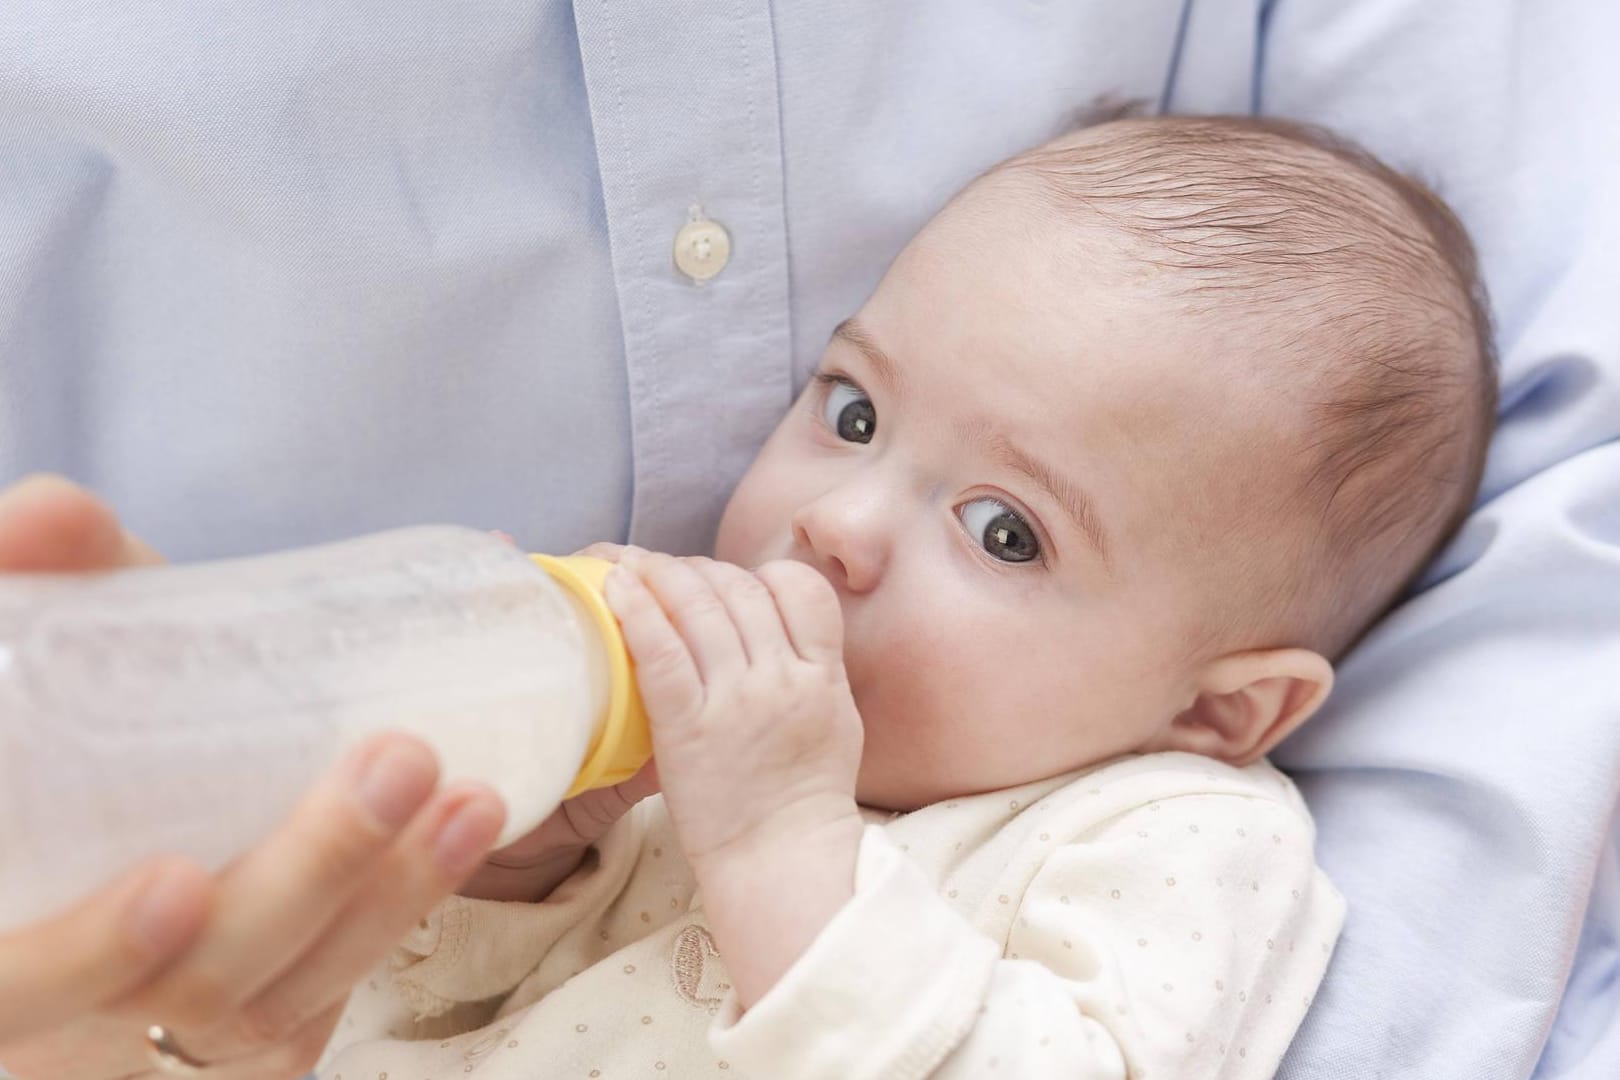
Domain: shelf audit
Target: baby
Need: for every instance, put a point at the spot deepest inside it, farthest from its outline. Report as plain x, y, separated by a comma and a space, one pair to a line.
1145, 427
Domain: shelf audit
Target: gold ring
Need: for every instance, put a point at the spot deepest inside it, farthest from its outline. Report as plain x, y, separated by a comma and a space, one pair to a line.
167, 1055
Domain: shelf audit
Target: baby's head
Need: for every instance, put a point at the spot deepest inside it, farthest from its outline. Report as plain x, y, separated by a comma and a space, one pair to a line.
1136, 435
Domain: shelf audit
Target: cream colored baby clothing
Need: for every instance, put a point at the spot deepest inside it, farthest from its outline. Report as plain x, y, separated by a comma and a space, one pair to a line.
1159, 916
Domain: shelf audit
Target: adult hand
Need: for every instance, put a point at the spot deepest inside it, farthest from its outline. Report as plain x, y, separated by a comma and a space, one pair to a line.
247, 968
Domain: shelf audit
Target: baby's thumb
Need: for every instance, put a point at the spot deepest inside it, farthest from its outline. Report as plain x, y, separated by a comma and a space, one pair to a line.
592, 813
639, 786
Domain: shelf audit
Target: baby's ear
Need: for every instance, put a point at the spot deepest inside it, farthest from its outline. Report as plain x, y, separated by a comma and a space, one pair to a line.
1247, 702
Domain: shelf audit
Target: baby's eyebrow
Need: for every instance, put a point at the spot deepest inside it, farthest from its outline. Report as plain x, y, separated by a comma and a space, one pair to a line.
852, 333
1080, 507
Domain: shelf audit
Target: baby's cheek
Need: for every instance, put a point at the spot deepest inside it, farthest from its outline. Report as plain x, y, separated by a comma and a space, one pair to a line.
729, 544
919, 690
745, 529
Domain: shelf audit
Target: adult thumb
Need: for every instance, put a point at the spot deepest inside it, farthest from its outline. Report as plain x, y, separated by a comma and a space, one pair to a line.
48, 523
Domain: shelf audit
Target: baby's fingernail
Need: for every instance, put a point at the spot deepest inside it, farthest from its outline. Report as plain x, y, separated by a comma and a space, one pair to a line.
467, 836
396, 782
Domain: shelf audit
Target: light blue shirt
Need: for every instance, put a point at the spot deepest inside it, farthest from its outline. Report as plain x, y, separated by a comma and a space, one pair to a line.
278, 272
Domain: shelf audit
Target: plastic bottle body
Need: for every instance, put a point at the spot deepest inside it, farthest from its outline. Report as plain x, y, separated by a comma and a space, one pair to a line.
185, 709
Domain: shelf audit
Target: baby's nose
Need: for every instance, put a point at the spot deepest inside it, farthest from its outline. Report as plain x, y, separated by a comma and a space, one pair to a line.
844, 537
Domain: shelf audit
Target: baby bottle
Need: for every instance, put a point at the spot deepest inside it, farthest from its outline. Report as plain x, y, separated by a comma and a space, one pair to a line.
186, 708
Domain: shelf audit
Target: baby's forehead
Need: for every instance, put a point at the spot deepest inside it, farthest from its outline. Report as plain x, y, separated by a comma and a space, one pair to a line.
1226, 254
1282, 207
1259, 344
1309, 251
1105, 361
1088, 304
1115, 383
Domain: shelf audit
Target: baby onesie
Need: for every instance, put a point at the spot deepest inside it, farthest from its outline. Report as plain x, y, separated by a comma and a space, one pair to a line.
1158, 915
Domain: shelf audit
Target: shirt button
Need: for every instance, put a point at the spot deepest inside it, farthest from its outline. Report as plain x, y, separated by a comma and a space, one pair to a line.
702, 249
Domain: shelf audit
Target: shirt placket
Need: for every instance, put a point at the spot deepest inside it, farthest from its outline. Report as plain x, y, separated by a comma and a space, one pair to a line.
686, 124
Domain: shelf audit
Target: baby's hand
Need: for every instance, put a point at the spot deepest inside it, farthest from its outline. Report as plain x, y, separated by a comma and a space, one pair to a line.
754, 728
531, 866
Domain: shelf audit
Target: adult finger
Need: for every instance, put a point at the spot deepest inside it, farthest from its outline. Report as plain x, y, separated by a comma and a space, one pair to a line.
102, 948
93, 1046
276, 899
809, 609
48, 523
435, 854
292, 1058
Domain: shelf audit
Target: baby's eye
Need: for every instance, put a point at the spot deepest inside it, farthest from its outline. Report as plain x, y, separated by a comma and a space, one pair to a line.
1004, 534
849, 412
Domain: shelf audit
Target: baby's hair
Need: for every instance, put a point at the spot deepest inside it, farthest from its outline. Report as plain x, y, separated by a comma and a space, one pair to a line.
1362, 276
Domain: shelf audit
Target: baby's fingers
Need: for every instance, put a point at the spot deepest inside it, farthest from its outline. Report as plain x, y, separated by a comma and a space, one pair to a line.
697, 613
665, 671
809, 609
752, 608
608, 551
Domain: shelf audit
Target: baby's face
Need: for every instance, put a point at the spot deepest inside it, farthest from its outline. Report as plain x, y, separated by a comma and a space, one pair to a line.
1011, 466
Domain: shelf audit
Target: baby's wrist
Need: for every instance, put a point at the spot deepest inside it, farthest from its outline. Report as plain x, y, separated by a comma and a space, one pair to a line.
808, 824
768, 898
